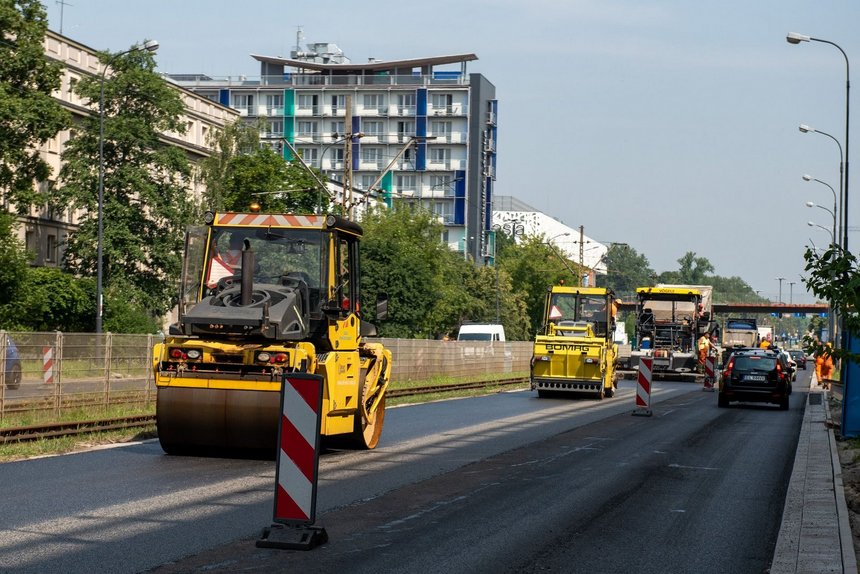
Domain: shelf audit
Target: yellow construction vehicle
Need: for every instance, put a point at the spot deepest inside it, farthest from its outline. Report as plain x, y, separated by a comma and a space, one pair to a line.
575, 351
263, 295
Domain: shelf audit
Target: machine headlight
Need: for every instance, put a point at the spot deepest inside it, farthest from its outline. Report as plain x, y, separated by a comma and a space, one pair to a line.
263, 357
193, 354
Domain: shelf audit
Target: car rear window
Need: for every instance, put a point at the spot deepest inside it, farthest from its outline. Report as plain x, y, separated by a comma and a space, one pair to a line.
755, 363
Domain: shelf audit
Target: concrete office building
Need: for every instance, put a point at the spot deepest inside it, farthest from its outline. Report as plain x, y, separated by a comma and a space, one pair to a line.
43, 231
434, 126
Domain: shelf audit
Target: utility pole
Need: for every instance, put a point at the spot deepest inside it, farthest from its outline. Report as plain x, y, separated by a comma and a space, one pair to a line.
581, 252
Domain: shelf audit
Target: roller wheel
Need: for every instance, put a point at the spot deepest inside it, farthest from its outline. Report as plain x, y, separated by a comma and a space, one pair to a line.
366, 434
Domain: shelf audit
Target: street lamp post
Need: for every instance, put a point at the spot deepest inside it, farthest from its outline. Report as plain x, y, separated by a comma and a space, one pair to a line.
780, 279
835, 212
834, 236
795, 38
813, 224
149, 46
806, 129
791, 292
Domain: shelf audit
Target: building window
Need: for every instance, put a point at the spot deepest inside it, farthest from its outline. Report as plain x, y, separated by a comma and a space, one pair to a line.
405, 130
275, 127
337, 128
373, 102
338, 102
444, 210
308, 102
406, 183
442, 102
336, 155
309, 154
372, 128
308, 130
371, 155
244, 103
275, 103
51, 251
367, 181
406, 104
441, 129
440, 156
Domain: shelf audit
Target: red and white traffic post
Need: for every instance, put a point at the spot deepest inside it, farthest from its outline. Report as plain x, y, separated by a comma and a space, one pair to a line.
643, 388
709, 374
297, 466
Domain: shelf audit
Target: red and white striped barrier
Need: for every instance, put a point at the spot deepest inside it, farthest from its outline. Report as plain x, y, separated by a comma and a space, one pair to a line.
643, 388
48, 365
297, 466
709, 374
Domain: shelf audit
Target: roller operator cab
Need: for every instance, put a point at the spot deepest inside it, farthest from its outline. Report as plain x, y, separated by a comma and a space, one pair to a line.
263, 295
575, 351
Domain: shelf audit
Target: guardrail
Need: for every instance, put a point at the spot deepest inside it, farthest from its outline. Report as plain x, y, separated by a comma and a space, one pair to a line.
63, 371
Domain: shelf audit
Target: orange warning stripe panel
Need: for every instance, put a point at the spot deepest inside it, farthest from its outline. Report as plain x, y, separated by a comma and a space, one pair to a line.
269, 220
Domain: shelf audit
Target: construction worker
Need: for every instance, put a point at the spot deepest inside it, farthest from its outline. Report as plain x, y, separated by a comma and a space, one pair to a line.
705, 345
826, 369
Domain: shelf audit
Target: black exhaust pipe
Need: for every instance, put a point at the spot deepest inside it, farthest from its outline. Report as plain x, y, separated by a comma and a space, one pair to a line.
247, 274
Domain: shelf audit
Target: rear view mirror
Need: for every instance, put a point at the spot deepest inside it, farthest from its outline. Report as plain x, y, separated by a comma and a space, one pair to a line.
381, 306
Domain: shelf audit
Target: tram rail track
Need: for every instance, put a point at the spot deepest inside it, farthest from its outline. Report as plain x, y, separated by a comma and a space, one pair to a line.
18, 434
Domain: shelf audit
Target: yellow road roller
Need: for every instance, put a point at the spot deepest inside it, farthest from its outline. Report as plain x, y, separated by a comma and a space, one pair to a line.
263, 295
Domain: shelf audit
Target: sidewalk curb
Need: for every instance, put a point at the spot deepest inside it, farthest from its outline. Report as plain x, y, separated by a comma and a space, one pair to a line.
846, 538
815, 519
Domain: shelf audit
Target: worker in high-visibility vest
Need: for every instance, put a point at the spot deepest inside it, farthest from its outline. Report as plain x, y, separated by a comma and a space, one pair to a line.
826, 367
704, 345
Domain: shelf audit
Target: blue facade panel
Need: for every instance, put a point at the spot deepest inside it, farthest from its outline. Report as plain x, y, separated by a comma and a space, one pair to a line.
421, 102
488, 207
224, 97
460, 197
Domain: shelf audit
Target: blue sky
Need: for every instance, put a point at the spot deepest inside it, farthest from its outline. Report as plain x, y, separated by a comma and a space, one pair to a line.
669, 125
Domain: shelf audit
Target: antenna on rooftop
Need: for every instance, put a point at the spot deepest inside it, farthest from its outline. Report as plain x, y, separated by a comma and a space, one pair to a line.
62, 5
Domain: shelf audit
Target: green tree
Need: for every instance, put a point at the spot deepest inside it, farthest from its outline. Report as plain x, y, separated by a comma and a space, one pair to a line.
13, 270
626, 270
834, 276
147, 202
30, 115
533, 267
278, 186
234, 139
241, 172
693, 271
53, 301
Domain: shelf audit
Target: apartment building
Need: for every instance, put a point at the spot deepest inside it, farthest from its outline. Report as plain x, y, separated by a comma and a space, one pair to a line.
43, 231
419, 130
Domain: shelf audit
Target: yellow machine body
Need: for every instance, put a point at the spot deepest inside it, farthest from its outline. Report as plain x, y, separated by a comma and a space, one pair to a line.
290, 306
575, 353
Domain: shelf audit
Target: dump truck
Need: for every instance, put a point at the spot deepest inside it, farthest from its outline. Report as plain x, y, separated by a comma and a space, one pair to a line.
740, 332
575, 352
669, 321
264, 295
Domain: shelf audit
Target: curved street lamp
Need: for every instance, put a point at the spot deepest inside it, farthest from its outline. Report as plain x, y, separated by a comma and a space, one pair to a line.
813, 224
149, 46
832, 214
795, 38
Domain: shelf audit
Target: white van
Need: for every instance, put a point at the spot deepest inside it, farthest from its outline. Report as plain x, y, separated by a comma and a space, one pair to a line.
481, 332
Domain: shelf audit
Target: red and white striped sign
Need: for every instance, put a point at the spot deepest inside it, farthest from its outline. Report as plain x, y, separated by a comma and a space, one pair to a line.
709, 374
48, 365
643, 387
269, 219
298, 449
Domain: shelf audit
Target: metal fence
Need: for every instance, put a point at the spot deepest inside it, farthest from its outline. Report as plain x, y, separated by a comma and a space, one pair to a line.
63, 371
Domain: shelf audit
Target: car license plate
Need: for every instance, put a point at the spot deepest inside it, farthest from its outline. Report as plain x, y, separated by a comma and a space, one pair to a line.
758, 378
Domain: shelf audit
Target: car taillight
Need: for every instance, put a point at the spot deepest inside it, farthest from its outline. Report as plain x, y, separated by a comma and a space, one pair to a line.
177, 354
728, 372
779, 372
